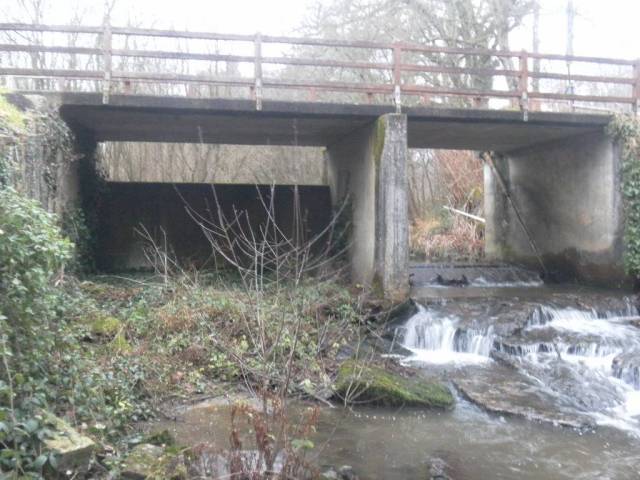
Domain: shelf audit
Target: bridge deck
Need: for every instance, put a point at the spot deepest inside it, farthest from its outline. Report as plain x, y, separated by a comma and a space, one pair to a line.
179, 119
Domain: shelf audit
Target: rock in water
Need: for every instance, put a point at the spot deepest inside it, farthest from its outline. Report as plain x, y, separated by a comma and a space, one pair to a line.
438, 469
504, 391
73, 450
379, 386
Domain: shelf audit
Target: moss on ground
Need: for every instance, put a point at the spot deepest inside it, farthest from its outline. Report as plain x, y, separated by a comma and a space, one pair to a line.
106, 326
364, 383
11, 116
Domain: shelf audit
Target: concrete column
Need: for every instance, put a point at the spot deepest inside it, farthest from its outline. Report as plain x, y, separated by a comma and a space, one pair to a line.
569, 194
368, 168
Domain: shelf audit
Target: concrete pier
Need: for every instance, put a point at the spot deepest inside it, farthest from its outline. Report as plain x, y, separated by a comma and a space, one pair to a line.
368, 168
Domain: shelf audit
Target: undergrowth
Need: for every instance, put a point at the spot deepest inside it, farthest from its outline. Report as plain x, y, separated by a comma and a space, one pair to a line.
446, 237
193, 337
104, 352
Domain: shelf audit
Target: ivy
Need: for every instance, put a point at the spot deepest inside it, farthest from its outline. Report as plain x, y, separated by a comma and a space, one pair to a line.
625, 130
35, 147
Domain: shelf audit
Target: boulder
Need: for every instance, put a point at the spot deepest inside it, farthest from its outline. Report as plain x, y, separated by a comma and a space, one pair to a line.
329, 474
143, 462
626, 367
380, 386
147, 462
505, 391
73, 450
439, 469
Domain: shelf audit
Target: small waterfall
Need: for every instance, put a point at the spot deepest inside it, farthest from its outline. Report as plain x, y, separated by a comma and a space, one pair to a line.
572, 318
439, 339
587, 358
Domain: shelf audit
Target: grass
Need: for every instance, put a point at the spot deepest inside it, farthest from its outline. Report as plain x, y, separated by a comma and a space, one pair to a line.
10, 116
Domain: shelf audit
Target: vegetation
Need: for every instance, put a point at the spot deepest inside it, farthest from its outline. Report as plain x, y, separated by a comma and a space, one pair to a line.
626, 131
103, 352
11, 118
439, 179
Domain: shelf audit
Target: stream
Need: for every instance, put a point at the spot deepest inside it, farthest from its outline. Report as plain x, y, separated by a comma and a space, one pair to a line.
547, 381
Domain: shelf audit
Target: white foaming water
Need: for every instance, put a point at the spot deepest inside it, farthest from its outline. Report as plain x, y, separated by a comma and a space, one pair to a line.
578, 338
581, 322
483, 282
436, 339
615, 336
625, 416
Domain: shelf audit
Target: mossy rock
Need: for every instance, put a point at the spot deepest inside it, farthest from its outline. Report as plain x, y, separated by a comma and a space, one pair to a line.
72, 449
365, 383
151, 462
106, 326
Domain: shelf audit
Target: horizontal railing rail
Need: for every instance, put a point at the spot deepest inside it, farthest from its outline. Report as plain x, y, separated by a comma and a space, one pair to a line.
397, 72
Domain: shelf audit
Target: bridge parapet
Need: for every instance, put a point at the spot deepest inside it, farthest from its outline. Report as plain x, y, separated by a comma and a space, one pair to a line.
124, 60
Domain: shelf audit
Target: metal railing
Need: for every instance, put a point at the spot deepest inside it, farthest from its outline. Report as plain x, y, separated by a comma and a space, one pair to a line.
373, 72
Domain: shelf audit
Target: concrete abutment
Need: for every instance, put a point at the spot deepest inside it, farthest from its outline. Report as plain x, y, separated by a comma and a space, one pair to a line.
569, 194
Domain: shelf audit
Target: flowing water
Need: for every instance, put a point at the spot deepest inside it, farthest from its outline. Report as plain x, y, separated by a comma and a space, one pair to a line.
585, 361
547, 384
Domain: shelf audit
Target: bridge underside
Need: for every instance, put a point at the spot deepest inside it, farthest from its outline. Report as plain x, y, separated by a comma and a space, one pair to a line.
189, 120
560, 170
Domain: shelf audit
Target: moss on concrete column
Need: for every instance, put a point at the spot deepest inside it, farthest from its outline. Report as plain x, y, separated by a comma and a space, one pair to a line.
392, 222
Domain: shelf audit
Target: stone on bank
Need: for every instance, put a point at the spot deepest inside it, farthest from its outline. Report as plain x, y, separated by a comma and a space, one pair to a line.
73, 451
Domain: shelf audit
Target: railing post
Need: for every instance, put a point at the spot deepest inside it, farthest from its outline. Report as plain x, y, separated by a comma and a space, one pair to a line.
257, 70
523, 84
106, 57
636, 87
397, 77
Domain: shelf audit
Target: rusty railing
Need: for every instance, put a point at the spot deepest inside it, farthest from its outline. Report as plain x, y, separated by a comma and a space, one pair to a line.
373, 72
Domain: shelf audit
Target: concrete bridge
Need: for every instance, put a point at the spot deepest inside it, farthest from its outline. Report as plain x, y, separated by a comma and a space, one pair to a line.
559, 170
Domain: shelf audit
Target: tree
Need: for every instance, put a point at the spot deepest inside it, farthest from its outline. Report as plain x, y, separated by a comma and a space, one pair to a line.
470, 24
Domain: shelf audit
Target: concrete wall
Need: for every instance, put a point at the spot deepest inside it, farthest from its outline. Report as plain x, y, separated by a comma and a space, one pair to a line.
124, 206
368, 169
568, 193
38, 149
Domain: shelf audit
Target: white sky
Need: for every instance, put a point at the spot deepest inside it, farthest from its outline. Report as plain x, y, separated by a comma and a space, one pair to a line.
603, 27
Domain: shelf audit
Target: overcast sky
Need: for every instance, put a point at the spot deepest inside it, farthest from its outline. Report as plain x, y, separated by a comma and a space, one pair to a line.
603, 27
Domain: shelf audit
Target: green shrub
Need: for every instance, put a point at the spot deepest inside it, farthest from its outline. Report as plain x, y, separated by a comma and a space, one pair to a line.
32, 251
44, 364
